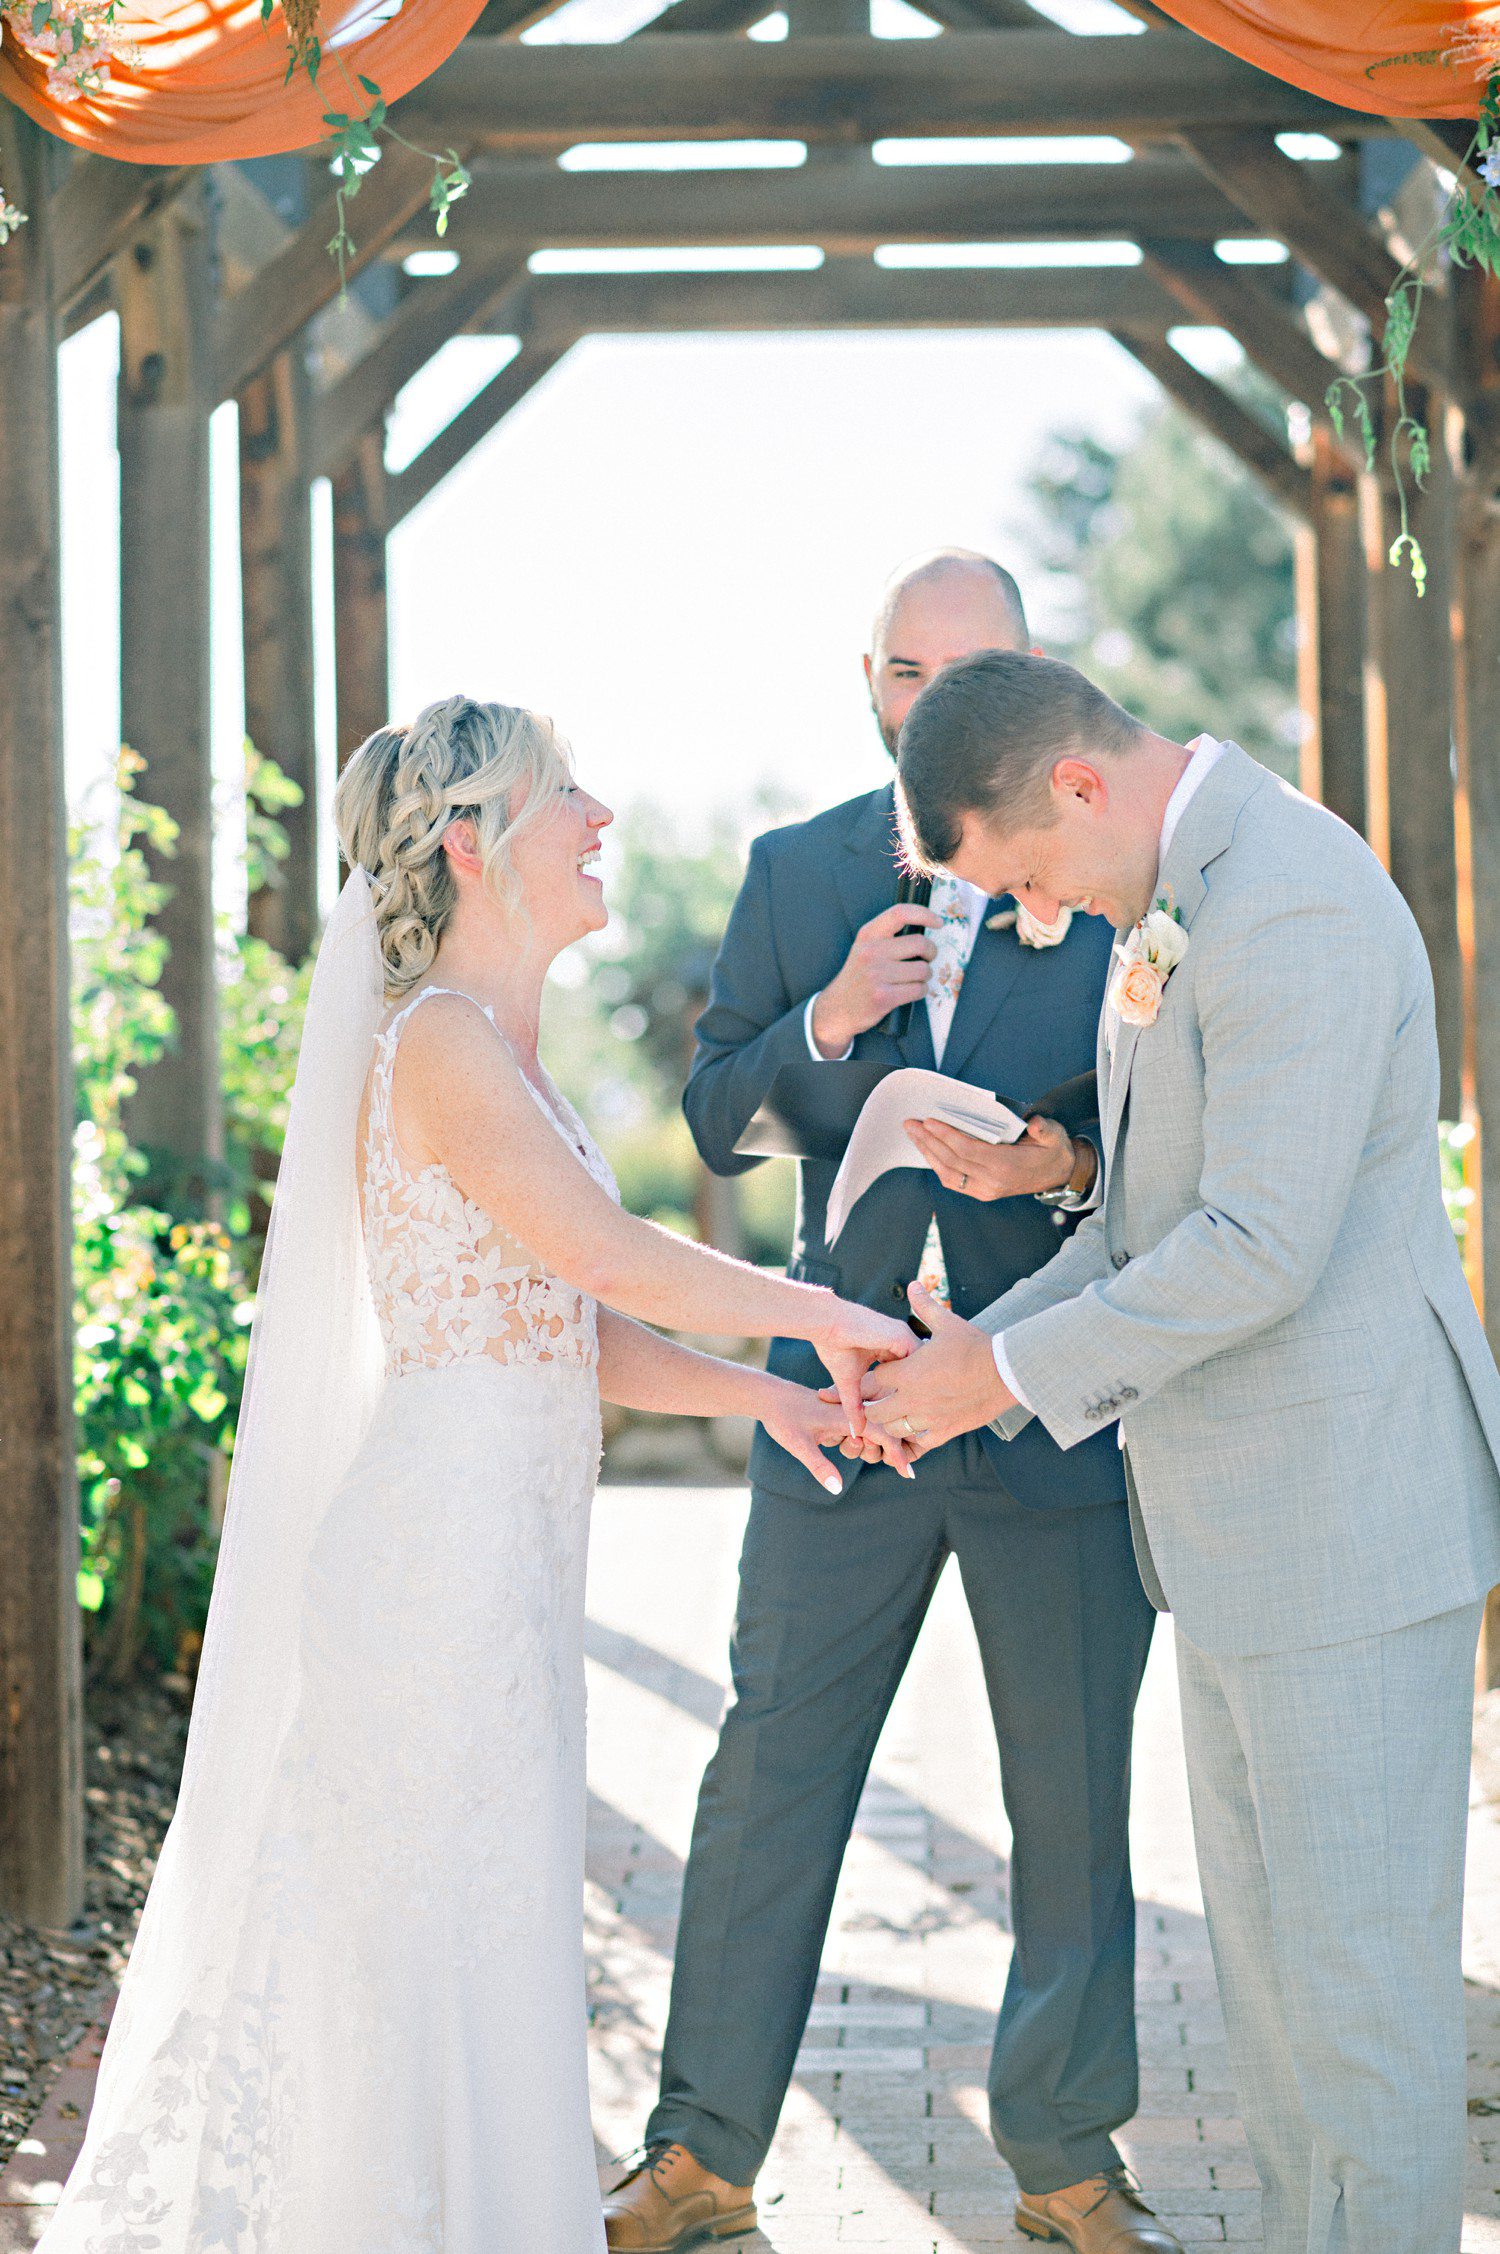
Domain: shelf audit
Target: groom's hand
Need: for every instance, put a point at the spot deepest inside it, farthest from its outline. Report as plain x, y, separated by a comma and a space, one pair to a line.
948, 1386
1047, 1157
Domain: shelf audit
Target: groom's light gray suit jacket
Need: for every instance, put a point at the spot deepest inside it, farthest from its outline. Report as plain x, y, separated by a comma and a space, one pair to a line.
1270, 1298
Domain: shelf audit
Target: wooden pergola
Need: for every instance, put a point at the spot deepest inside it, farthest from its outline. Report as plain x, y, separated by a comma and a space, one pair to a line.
225, 290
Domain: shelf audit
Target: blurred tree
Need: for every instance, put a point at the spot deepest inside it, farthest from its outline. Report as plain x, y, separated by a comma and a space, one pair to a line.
620, 1026
1172, 576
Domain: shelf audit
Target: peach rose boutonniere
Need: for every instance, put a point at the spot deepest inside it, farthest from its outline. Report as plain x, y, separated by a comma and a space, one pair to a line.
1030, 929
1147, 960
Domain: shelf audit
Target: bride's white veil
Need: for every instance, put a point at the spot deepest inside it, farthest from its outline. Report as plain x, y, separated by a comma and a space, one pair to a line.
314, 1372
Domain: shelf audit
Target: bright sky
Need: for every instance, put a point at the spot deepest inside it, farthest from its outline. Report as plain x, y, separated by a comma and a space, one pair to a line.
674, 546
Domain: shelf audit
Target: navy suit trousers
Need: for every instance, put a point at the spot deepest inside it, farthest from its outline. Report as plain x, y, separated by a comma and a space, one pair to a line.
831, 1600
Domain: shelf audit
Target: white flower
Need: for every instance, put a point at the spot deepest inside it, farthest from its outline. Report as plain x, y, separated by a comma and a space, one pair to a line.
1488, 168
1158, 939
1030, 929
1147, 959
1032, 932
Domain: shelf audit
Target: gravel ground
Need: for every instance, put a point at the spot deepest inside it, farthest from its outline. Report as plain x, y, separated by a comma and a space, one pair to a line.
52, 1985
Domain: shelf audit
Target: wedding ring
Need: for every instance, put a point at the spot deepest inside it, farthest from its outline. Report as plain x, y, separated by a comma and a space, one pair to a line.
904, 1429
963, 1181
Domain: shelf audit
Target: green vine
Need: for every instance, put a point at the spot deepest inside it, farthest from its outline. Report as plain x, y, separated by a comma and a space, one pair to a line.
78, 39
354, 135
1468, 233
354, 146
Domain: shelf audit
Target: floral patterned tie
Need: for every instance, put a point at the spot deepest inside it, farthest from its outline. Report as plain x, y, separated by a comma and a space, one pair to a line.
954, 939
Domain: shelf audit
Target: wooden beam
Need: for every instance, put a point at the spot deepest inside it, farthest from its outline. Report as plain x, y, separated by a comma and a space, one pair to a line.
1271, 334
1412, 734
95, 210
496, 94
1442, 140
729, 16
277, 624
473, 423
1339, 601
164, 291
852, 296
257, 321
426, 319
1477, 738
1293, 203
41, 1761
849, 206
361, 627
1222, 416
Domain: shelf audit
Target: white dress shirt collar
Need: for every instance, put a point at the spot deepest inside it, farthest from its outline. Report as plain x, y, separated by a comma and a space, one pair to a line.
1206, 753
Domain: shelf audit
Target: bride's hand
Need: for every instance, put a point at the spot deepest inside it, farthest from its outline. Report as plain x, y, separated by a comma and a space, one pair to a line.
851, 1341
804, 1424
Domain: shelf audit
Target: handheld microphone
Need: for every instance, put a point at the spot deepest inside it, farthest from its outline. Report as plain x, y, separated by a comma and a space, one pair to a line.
911, 892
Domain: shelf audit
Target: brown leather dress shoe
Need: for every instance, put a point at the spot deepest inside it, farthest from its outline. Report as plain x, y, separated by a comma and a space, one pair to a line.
1106, 2215
667, 2200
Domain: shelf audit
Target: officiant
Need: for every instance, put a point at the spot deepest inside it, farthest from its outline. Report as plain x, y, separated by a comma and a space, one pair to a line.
828, 975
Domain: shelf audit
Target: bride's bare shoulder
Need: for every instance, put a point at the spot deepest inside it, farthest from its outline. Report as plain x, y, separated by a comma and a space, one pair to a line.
452, 1037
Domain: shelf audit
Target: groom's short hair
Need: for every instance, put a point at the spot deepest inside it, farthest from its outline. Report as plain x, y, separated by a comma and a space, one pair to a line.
984, 737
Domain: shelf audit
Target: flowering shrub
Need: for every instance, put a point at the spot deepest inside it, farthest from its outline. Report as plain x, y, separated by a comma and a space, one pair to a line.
77, 40
162, 1305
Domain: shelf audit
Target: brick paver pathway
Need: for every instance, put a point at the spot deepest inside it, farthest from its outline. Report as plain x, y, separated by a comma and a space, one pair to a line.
883, 2143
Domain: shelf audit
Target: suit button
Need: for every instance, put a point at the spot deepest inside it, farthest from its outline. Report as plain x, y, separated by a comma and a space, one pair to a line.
898, 1292
1121, 1259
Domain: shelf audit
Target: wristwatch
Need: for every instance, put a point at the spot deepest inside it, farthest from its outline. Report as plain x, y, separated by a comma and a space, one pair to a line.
1072, 1195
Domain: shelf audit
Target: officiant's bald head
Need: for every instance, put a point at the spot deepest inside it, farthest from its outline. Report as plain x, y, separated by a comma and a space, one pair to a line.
946, 604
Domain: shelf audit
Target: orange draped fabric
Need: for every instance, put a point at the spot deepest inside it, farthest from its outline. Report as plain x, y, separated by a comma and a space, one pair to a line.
210, 79
1399, 58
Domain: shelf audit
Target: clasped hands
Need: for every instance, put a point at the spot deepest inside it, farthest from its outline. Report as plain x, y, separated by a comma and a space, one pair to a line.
946, 1385
894, 1407
894, 1396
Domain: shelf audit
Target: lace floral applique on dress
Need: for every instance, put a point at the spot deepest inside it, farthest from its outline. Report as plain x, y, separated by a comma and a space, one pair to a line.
448, 1284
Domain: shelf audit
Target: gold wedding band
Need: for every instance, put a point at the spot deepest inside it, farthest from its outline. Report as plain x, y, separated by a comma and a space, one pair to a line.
963, 1181
904, 1429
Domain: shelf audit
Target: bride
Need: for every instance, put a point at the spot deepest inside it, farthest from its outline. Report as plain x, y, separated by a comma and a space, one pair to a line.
354, 2020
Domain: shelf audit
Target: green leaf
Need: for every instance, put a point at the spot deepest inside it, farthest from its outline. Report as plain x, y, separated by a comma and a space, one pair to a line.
90, 1590
1420, 446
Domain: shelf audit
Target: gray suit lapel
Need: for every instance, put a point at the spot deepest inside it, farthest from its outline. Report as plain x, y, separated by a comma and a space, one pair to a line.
1205, 831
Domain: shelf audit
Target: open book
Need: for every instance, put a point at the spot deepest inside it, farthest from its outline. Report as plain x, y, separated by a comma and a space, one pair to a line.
880, 1141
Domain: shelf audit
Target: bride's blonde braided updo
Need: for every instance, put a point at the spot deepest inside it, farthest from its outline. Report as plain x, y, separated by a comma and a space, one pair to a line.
495, 765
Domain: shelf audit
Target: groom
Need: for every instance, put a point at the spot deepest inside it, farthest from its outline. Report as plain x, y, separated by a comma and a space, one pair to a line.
832, 1595
1270, 1306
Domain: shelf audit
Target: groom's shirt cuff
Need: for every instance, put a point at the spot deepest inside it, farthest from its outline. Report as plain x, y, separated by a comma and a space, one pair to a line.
814, 1051
1007, 1374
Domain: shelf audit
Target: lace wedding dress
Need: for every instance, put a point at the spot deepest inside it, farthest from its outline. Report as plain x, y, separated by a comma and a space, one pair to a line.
373, 2041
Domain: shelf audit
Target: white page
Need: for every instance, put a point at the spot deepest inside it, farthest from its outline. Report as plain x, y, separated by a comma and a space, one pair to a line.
880, 1141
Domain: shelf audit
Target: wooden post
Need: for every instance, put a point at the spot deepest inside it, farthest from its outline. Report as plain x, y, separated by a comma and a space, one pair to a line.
1477, 716
41, 1793
361, 631
163, 291
276, 576
1412, 736
1337, 599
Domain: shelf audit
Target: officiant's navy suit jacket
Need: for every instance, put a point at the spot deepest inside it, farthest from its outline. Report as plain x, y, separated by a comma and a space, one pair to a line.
1025, 1020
